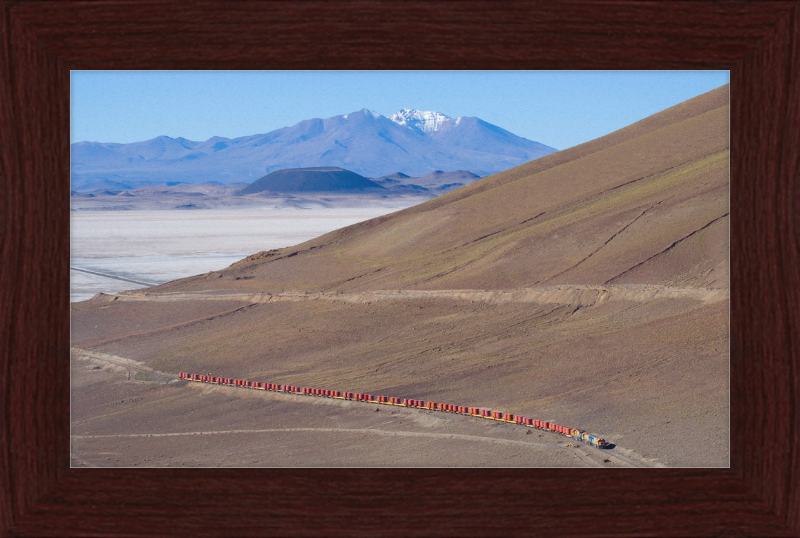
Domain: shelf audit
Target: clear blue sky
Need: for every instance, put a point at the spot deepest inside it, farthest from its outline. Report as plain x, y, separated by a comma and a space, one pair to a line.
557, 108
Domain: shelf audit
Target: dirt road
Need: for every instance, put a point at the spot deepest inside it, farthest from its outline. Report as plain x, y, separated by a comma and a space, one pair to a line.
149, 425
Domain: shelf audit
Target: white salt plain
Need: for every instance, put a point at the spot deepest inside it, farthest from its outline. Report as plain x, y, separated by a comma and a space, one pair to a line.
157, 246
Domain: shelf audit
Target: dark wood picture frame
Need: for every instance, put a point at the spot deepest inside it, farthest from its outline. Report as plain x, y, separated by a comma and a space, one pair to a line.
758, 41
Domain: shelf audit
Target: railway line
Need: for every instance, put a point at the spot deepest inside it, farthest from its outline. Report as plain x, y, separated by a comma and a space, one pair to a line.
574, 433
612, 453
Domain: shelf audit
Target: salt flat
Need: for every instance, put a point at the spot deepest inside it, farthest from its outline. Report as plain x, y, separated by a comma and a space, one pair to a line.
157, 246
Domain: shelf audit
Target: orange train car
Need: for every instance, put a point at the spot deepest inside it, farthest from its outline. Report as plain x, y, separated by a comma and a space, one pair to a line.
575, 433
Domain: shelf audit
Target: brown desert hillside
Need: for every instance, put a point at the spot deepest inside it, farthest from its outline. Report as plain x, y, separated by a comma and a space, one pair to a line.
647, 204
588, 287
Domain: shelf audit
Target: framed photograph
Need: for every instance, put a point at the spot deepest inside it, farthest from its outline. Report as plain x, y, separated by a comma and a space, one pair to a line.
44, 492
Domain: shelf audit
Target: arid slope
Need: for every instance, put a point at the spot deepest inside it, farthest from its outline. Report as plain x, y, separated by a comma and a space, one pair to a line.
646, 204
588, 287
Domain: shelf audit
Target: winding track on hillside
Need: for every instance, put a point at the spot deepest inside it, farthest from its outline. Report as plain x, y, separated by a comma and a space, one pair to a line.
578, 295
156, 376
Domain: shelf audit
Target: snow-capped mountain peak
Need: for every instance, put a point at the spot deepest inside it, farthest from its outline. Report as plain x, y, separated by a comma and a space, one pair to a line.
425, 121
364, 111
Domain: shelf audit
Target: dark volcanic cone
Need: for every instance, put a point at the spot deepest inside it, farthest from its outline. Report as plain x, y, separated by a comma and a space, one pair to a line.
322, 179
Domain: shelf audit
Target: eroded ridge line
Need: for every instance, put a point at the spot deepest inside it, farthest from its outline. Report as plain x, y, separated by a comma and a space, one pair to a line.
673, 245
607, 241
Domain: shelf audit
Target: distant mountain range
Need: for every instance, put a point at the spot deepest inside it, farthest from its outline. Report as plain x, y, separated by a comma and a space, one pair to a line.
413, 142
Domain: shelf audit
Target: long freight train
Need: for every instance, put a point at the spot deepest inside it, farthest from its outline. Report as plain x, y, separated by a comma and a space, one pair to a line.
580, 435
